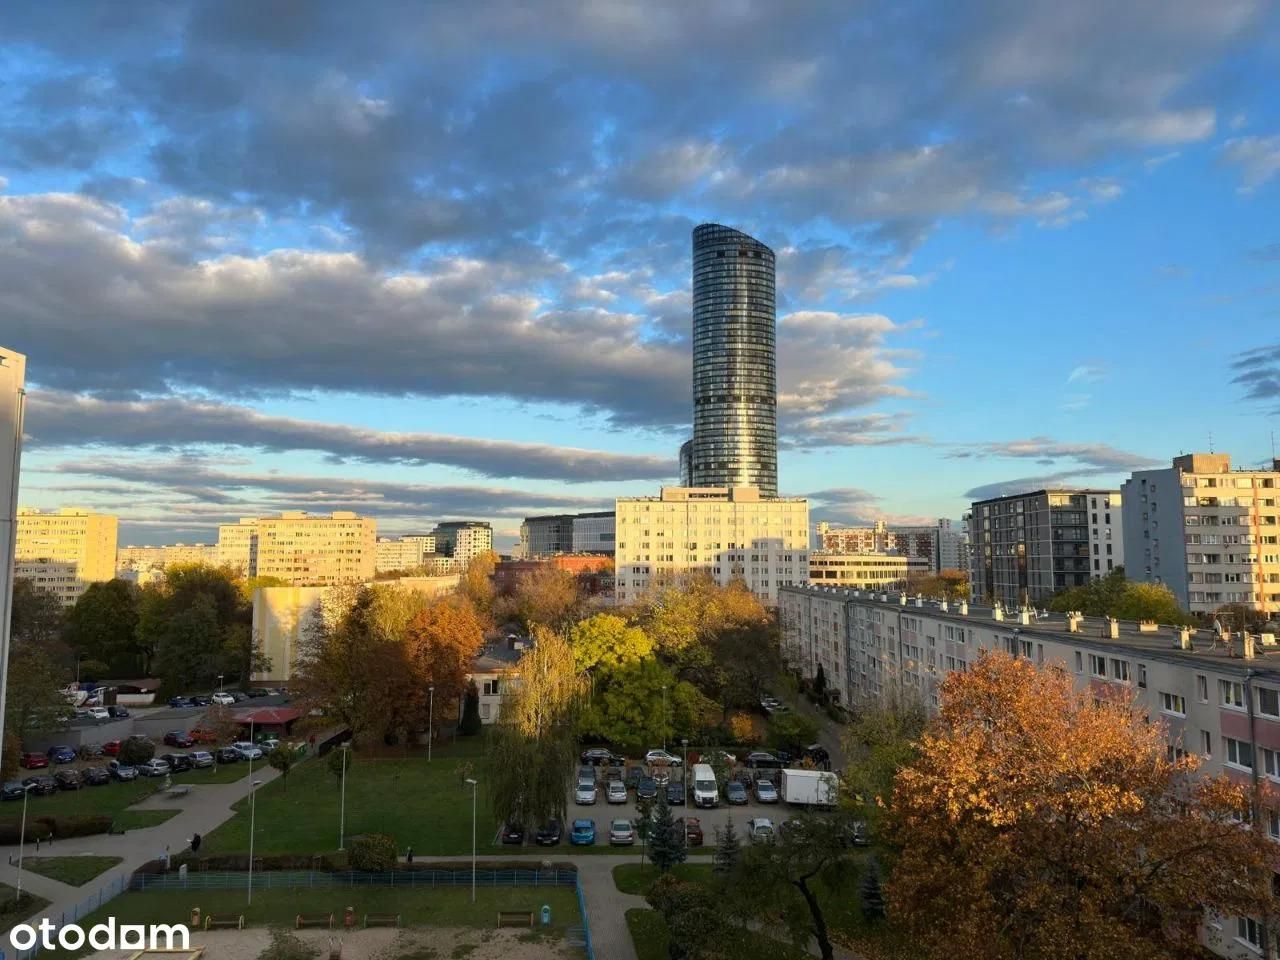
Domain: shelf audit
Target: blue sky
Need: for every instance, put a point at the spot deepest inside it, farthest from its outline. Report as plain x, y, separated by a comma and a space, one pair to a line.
431, 261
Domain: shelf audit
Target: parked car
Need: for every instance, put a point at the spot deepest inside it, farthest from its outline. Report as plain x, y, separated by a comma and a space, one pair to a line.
225, 755
95, 776
178, 738
201, 735
225, 699
178, 762
90, 751
762, 759
735, 792
660, 758
549, 835
586, 792
634, 776
269, 744
614, 773
13, 790
201, 759
600, 757
239, 696
587, 773
621, 833
760, 830
121, 771
41, 785
256, 693
111, 748
67, 780
117, 712
202, 700
33, 761
766, 792
583, 833
661, 777
675, 794
154, 768
247, 750
513, 833
692, 827
99, 714
615, 791
61, 754
647, 789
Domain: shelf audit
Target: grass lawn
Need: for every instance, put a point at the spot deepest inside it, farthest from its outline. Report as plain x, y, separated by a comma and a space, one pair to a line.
220, 773
141, 819
76, 871
650, 936
12, 913
637, 878
109, 799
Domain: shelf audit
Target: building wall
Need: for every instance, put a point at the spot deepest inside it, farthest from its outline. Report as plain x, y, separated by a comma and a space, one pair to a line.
727, 533
404, 553
1106, 533
238, 546
594, 572
281, 618
463, 539
595, 533
306, 550
865, 570
937, 544
140, 559
546, 536
12, 402
64, 551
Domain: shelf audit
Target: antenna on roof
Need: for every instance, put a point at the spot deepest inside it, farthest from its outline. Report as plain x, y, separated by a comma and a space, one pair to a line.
1211, 441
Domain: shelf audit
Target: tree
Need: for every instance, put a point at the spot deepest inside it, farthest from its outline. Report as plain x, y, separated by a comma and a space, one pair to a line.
35, 701
606, 642
628, 709
36, 615
744, 729
477, 583
221, 722
819, 683
103, 625
792, 731
137, 751
880, 741
696, 923
443, 639
471, 724
948, 584
871, 897
1041, 821
188, 645
697, 610
282, 758
1114, 596
194, 625
546, 596
375, 852
666, 843
335, 760
728, 851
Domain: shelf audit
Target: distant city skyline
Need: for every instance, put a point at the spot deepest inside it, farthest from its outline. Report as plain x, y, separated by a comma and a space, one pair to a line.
303, 266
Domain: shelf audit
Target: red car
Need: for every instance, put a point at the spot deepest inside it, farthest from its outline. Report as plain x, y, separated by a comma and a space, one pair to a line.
178, 738
203, 736
111, 748
33, 761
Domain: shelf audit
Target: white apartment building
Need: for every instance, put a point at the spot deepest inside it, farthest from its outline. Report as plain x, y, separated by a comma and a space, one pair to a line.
238, 546
1209, 533
63, 551
463, 539
888, 571
316, 550
727, 532
941, 546
1224, 707
404, 553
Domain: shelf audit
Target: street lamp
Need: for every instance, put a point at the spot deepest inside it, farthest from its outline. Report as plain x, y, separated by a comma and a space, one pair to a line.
431, 719
473, 838
684, 763
79, 658
342, 810
253, 809
664, 718
22, 838
220, 684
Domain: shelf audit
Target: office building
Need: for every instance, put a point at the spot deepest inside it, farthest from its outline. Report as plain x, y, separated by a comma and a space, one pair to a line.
1026, 547
593, 571
566, 533
1209, 533
735, 381
727, 533
403, 553
941, 547
238, 546
463, 539
1225, 708
63, 551
880, 571
595, 533
316, 550
139, 560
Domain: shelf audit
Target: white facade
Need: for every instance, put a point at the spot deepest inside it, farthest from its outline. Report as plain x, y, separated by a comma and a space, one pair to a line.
865, 570
404, 553
316, 550
1106, 532
727, 532
463, 540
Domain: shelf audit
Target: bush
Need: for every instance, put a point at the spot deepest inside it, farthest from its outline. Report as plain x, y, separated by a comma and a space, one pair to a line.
135, 752
285, 946
373, 851
76, 825
11, 831
234, 862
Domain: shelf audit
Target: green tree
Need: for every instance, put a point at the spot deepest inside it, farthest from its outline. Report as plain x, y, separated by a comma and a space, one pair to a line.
870, 894
134, 752
189, 645
628, 709
696, 923
666, 843
1114, 596
194, 625
37, 615
477, 583
819, 683
606, 642
282, 758
879, 741
792, 731
728, 851
471, 724
35, 701
103, 625
375, 852
335, 759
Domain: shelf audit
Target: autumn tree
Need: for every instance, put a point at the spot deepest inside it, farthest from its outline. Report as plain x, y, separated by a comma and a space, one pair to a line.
606, 642
477, 583
949, 584
696, 610
1115, 596
36, 615
1038, 821
443, 639
546, 596
644, 704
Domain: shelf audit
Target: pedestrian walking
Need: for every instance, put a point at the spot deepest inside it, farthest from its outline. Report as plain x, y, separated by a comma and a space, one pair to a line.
409, 856
195, 843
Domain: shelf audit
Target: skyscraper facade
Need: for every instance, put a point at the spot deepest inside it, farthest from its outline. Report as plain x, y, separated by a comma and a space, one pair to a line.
735, 378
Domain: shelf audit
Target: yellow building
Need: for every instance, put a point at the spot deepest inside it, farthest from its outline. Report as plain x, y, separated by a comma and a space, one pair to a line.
64, 551
145, 559
238, 546
306, 550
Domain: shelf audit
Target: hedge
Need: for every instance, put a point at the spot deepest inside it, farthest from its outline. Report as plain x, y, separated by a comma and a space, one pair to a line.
11, 831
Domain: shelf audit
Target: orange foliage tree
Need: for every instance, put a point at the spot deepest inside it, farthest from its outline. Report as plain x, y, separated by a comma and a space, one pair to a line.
1039, 822
443, 640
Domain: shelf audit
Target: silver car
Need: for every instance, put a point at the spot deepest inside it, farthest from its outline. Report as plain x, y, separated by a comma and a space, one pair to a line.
616, 792
766, 792
586, 793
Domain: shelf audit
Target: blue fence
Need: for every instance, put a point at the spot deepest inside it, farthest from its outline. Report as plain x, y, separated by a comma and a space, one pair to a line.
105, 894
292, 879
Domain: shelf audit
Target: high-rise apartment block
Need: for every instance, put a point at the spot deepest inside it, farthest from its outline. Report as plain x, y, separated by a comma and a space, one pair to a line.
726, 532
735, 380
1027, 547
941, 547
152, 560
567, 533
63, 551
238, 546
403, 553
1209, 533
463, 539
13, 367
316, 550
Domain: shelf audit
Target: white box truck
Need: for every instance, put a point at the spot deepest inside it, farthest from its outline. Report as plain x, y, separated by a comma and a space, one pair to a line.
810, 788
706, 793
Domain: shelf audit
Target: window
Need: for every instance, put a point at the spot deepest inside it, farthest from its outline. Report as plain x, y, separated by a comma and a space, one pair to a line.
1268, 702
1202, 687
1273, 824
1079, 662
1271, 763
1250, 931
1142, 675
1206, 743
1231, 694
1173, 703
1098, 665
1120, 670
1239, 753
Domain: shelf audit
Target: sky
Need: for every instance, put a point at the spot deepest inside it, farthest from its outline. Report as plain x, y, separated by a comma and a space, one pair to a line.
432, 261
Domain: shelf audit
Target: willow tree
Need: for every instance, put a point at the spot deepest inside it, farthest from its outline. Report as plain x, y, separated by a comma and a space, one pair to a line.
534, 743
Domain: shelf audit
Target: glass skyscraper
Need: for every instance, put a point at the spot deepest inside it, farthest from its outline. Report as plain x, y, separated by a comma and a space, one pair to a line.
735, 372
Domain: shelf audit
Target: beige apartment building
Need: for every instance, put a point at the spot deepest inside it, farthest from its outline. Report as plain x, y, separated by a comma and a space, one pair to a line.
1209, 533
316, 550
13, 368
727, 532
403, 553
1223, 704
880, 571
142, 559
238, 546
63, 551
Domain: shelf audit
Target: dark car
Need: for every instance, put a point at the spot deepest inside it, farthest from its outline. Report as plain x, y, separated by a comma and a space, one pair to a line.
256, 693
692, 827
13, 790
33, 761
118, 713
95, 776
239, 696
550, 834
67, 780
179, 738
735, 792
179, 702
762, 760
634, 776
513, 833
600, 757
586, 772
226, 755
41, 785
203, 700
62, 754
177, 762
675, 793
647, 789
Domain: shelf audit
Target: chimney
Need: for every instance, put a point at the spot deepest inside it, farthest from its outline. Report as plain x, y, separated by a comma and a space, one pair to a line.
942, 605
902, 599
1024, 617
1113, 628
963, 608
997, 612
1184, 637
1073, 621
919, 601
1248, 652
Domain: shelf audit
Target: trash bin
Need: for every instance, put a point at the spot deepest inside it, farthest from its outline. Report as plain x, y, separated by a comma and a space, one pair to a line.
546, 914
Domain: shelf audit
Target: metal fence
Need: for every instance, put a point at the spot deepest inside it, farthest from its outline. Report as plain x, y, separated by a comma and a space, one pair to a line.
292, 879
104, 895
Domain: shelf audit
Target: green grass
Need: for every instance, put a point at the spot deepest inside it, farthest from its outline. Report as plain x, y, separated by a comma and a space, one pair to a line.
12, 913
76, 871
219, 773
109, 800
637, 878
652, 941
141, 819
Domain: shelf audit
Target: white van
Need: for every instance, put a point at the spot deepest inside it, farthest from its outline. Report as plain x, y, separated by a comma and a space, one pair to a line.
705, 791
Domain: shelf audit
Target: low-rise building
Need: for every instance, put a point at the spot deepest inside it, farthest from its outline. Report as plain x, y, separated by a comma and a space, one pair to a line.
593, 571
63, 551
941, 547
142, 560
887, 571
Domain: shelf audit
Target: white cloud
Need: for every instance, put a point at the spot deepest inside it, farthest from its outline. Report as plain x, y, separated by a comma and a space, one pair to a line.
1258, 158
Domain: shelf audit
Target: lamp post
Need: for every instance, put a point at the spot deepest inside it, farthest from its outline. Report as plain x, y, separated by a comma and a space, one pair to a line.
79, 657
431, 718
342, 809
664, 718
221, 685
684, 763
22, 840
253, 796
473, 838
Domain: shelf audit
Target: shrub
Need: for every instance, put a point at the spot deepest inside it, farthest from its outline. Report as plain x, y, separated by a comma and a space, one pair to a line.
234, 862
134, 752
11, 831
77, 825
285, 946
373, 851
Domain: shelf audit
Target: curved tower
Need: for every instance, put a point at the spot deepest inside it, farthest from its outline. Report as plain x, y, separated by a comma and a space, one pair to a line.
735, 373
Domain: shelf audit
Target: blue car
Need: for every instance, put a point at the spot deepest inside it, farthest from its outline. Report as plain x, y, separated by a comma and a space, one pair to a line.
583, 833
177, 702
62, 755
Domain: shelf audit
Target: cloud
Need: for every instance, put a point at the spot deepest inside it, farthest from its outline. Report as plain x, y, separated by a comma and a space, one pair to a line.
1267, 253
59, 419
1087, 373
1055, 481
1099, 456
853, 506
1258, 371
870, 430
1258, 159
